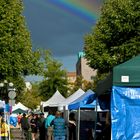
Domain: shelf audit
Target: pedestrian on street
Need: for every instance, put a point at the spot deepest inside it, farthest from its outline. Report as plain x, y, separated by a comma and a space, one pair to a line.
24, 126
33, 123
41, 126
4, 130
19, 116
59, 126
72, 126
48, 127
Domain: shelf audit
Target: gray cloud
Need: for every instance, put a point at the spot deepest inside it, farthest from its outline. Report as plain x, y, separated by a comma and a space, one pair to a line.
54, 29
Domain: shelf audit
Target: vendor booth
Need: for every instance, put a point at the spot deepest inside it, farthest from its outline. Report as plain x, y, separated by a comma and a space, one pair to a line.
85, 106
19, 108
125, 100
53, 102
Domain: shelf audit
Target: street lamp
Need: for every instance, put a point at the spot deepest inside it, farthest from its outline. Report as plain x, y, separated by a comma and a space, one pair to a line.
5, 89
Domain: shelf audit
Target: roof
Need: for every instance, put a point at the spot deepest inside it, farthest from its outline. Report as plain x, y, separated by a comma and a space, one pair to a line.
72, 97
127, 73
86, 99
71, 74
19, 106
55, 100
19, 111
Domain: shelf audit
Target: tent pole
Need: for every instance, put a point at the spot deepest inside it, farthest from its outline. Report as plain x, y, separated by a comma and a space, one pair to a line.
95, 119
78, 128
68, 124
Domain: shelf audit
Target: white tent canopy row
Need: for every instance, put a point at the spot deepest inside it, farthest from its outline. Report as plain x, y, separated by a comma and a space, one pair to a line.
57, 100
72, 98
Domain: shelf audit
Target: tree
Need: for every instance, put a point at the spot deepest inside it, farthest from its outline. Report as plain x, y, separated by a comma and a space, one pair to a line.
31, 98
116, 37
54, 78
17, 58
78, 84
81, 83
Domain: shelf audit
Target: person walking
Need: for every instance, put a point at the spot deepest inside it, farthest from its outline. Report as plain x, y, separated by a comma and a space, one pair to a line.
72, 126
24, 126
33, 124
41, 126
48, 127
59, 126
19, 116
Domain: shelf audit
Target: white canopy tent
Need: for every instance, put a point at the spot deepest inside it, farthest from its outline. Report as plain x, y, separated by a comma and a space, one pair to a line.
71, 98
54, 101
19, 106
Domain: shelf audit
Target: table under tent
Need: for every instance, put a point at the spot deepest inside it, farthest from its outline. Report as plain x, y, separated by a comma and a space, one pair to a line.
121, 92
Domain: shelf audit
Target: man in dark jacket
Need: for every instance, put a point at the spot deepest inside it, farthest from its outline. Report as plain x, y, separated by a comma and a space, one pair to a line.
42, 127
24, 125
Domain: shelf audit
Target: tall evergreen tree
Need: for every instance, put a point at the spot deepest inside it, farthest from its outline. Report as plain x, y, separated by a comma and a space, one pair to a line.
116, 37
17, 58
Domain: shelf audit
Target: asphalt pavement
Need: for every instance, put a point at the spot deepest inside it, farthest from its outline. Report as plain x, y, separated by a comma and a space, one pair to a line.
16, 134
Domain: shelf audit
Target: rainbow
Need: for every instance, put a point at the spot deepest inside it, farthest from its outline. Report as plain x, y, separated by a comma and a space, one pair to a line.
85, 9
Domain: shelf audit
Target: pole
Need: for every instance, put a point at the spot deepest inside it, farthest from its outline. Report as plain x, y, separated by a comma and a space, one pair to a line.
78, 126
7, 118
95, 119
9, 126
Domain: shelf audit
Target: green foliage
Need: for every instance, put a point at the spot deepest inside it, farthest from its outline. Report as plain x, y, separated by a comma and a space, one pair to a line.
78, 83
116, 37
17, 58
30, 98
81, 83
54, 78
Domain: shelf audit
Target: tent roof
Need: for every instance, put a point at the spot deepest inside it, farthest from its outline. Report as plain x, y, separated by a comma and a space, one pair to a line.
127, 73
19, 111
55, 100
86, 99
72, 97
19, 106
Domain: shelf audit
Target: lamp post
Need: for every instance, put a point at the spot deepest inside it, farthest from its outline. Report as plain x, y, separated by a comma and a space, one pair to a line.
7, 90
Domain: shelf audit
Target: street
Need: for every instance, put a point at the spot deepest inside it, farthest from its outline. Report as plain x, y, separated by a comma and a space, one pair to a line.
16, 134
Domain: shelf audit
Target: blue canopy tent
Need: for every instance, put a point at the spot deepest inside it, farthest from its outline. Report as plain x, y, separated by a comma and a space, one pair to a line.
125, 100
86, 101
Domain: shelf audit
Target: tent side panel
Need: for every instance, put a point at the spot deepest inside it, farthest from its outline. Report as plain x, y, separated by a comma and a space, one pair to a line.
125, 114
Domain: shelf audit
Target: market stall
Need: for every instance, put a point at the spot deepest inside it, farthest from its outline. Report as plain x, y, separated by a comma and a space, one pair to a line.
125, 100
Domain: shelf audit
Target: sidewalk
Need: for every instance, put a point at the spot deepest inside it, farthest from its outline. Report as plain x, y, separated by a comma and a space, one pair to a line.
16, 134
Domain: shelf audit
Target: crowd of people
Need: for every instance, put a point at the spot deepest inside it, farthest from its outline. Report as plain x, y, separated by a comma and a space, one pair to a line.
53, 127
